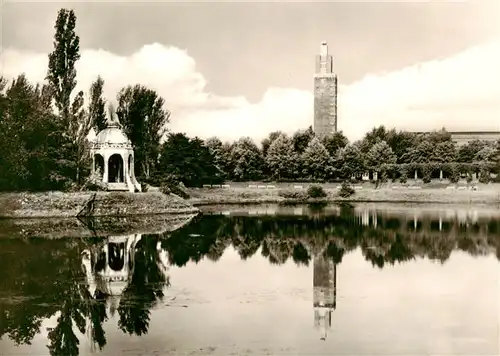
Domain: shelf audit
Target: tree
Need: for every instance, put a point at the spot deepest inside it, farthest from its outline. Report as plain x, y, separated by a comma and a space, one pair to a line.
486, 154
281, 158
467, 152
380, 153
216, 149
333, 143
247, 160
142, 113
187, 160
97, 112
422, 153
444, 151
74, 123
401, 142
266, 143
351, 161
61, 72
28, 137
316, 160
301, 139
372, 137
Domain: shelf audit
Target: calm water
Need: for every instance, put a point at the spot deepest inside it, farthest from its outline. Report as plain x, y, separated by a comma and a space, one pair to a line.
262, 281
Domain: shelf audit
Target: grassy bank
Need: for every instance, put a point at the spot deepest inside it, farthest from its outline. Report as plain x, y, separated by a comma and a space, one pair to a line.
92, 227
287, 193
65, 205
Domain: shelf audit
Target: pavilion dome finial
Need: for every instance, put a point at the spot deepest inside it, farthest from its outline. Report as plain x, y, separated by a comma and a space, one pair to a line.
113, 134
112, 119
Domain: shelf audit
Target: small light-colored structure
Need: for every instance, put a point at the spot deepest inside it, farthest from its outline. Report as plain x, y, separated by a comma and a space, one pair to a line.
113, 156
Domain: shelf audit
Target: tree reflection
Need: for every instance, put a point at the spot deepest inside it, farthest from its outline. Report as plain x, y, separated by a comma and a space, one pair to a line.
45, 278
144, 289
385, 240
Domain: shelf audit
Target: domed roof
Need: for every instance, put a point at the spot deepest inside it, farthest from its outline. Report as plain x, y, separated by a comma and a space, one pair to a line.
112, 134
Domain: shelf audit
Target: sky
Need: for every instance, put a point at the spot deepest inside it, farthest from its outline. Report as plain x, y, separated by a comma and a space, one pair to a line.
233, 69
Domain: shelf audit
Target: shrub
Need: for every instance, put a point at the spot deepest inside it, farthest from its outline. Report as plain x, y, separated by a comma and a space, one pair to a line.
484, 176
427, 173
293, 194
176, 189
454, 175
403, 173
469, 178
94, 182
346, 190
316, 191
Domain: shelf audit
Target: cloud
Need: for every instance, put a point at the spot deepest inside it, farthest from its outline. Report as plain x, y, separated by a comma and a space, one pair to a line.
459, 93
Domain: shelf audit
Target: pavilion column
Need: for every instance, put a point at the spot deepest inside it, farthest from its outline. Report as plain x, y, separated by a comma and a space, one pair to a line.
125, 168
93, 162
120, 171
106, 169
416, 174
132, 167
440, 174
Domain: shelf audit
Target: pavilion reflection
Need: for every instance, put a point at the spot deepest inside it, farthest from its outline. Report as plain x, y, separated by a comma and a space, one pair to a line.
110, 268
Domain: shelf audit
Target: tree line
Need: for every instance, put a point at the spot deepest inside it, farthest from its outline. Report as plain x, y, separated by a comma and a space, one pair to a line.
44, 145
395, 155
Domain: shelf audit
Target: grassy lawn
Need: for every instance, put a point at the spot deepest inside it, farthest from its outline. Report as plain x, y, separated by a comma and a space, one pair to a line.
435, 192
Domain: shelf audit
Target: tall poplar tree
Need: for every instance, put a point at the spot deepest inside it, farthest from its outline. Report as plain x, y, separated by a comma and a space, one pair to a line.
74, 124
97, 105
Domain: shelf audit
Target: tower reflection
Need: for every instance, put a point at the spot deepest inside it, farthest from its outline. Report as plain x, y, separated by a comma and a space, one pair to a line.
324, 293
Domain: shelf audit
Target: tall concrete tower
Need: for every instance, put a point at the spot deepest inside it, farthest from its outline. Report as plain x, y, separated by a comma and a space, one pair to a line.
325, 94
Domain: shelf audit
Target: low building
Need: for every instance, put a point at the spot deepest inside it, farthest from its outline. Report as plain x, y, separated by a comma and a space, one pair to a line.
463, 137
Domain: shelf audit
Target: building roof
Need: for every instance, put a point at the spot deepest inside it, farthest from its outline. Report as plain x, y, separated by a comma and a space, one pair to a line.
112, 135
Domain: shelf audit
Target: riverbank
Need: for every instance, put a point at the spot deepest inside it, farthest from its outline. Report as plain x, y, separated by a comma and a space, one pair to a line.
91, 204
241, 194
104, 226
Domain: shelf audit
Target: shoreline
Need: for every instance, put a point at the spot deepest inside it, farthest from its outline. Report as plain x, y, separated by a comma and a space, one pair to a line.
122, 204
487, 194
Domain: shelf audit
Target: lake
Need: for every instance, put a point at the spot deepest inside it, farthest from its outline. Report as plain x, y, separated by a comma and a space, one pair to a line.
262, 280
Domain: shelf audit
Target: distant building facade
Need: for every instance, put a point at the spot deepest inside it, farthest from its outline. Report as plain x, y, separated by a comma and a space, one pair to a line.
463, 137
325, 94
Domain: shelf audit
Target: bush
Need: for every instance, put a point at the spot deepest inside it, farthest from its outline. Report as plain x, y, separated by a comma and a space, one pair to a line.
94, 182
346, 190
427, 173
484, 176
453, 173
177, 189
293, 194
316, 191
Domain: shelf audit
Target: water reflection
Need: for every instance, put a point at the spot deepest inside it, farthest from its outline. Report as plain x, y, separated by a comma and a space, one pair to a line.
324, 293
80, 285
